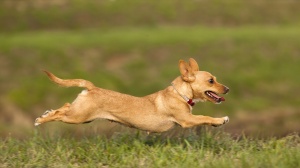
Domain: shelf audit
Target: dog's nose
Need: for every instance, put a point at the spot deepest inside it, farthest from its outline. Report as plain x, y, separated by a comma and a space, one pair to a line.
226, 89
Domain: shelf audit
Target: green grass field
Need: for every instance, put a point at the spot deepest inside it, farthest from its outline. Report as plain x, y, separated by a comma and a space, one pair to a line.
210, 149
134, 47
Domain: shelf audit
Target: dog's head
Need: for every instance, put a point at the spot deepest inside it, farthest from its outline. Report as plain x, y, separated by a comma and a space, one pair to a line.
204, 85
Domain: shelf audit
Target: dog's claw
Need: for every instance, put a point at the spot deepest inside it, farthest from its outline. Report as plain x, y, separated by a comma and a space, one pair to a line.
226, 120
36, 123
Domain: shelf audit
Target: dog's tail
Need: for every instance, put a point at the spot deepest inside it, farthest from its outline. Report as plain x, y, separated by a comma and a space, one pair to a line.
70, 82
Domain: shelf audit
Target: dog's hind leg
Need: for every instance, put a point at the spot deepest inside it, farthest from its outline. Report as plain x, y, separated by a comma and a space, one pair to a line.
53, 115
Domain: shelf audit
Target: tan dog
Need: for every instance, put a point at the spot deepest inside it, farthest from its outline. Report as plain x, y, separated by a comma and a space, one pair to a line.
157, 112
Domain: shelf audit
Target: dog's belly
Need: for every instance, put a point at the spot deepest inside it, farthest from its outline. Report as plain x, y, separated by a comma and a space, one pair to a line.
157, 126
150, 123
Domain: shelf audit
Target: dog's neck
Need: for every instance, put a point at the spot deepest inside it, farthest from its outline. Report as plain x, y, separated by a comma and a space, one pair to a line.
189, 101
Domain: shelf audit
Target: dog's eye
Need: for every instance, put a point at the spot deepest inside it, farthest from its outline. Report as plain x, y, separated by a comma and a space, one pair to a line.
211, 81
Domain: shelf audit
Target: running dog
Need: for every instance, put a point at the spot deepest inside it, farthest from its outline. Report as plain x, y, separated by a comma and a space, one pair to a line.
157, 112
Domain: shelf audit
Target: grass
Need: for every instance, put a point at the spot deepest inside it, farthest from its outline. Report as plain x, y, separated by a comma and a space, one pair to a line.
80, 14
209, 149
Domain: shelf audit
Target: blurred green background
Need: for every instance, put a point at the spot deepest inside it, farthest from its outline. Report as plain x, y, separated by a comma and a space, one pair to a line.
134, 46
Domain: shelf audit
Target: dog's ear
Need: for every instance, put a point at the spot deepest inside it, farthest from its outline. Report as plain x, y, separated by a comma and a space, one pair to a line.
186, 71
193, 64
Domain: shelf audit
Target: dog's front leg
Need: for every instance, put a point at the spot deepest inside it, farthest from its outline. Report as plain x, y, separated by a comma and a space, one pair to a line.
189, 120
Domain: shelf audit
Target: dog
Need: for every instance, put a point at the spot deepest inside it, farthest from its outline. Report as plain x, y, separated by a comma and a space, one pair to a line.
157, 112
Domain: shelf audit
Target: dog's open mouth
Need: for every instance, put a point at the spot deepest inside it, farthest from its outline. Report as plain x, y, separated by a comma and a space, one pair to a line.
214, 96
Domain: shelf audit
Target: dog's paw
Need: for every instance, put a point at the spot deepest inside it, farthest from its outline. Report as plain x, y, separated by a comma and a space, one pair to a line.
224, 120
36, 123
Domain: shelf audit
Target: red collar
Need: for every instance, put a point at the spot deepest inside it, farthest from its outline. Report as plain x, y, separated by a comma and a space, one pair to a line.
189, 101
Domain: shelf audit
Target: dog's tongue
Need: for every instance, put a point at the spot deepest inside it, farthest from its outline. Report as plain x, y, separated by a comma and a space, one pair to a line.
218, 97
